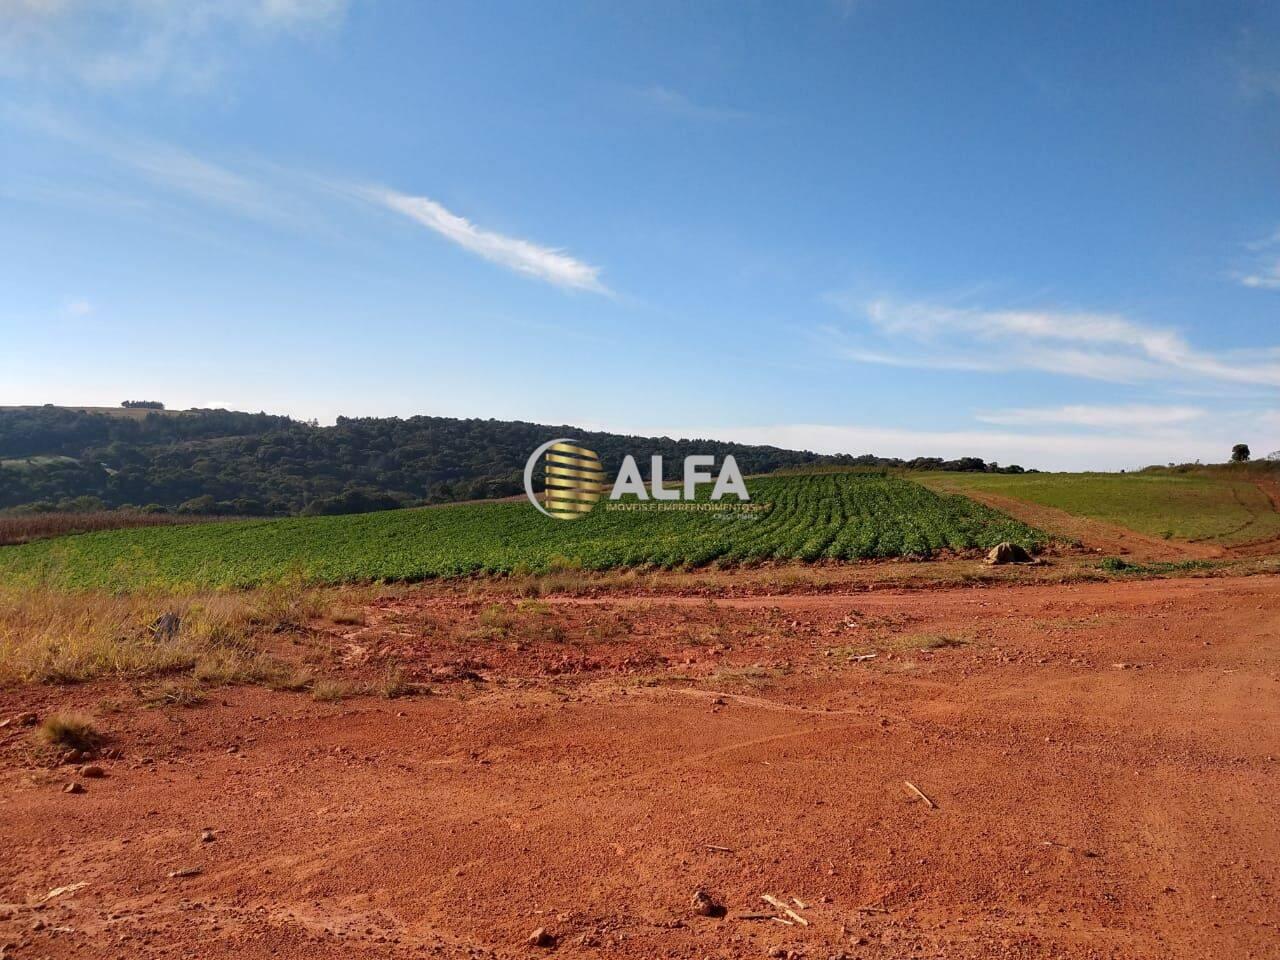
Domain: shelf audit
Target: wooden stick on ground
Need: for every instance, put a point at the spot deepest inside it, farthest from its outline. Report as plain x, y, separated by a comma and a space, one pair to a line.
775, 902
920, 793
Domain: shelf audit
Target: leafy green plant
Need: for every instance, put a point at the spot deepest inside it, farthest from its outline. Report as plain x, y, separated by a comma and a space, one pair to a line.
808, 517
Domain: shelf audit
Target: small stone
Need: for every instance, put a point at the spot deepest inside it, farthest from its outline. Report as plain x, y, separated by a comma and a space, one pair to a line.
92, 772
207, 836
1008, 553
541, 938
704, 905
73, 788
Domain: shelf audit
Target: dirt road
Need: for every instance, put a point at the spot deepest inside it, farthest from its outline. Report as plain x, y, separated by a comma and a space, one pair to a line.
1103, 761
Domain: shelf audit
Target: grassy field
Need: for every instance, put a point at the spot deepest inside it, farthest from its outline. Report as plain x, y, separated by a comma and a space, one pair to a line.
829, 516
1203, 507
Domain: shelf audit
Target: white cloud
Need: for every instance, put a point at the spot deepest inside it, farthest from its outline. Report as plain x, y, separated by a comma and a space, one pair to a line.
1099, 346
1268, 278
1085, 415
1264, 274
170, 168
191, 175
118, 43
676, 103
80, 307
544, 263
1045, 451
276, 195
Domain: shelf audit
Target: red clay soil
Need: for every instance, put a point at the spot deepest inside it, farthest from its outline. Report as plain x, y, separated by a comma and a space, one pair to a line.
1101, 761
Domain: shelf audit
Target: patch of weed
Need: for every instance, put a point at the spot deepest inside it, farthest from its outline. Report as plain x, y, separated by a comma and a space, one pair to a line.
69, 731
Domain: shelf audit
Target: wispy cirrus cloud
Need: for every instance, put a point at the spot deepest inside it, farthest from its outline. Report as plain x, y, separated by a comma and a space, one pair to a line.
523, 256
667, 100
79, 307
170, 168
1265, 277
1099, 346
1122, 416
123, 43
1264, 272
293, 198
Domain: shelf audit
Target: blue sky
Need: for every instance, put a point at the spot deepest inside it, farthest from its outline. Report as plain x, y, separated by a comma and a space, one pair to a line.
1038, 233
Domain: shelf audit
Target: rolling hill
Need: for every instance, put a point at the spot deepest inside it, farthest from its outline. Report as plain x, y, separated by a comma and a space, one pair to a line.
256, 464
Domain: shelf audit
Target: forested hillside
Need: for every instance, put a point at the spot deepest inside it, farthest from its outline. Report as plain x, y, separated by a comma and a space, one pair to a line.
256, 464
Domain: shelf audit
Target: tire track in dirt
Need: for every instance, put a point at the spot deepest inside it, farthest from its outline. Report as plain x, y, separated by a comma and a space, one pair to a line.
1265, 545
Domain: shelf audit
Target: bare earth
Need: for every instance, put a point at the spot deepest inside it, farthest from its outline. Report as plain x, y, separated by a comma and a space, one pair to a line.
1108, 538
1102, 759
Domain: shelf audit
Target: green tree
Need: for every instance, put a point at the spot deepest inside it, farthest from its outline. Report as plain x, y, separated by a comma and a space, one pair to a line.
1240, 453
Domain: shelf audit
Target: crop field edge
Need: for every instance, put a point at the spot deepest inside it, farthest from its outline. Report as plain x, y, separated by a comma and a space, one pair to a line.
812, 518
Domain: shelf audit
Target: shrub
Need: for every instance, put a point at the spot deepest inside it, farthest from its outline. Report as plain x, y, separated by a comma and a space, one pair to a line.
330, 691
69, 731
394, 683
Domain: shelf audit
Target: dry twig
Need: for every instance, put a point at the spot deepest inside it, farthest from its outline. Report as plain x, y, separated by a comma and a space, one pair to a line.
920, 793
775, 902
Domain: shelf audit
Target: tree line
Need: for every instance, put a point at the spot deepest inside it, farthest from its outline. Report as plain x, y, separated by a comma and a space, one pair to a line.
258, 464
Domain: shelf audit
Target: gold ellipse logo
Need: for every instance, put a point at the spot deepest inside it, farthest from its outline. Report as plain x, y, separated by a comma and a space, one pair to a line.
575, 480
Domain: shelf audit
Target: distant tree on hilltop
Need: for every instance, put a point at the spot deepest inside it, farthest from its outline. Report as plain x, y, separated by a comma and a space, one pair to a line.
142, 405
1240, 453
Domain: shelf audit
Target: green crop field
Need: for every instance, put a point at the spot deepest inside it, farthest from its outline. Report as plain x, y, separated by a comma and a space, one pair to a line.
829, 516
1217, 508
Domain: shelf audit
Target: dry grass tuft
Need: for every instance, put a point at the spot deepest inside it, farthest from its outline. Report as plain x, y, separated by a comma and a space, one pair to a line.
393, 684
529, 621
330, 691
69, 731
753, 677
49, 636
293, 682
173, 693
929, 641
